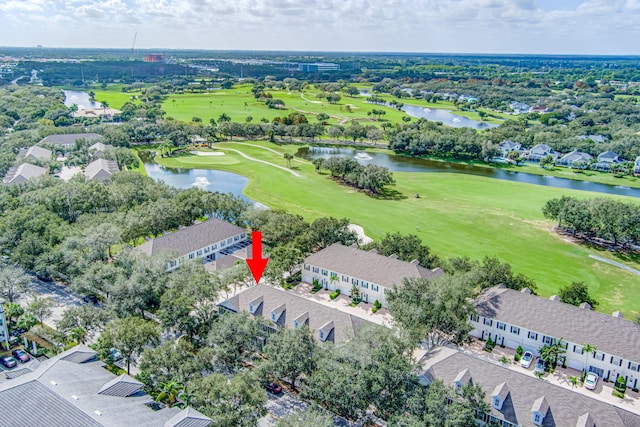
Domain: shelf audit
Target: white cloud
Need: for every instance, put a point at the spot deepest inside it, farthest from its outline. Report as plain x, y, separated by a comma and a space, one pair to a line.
587, 26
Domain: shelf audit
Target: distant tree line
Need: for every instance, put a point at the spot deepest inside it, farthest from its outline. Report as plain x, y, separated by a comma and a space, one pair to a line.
613, 221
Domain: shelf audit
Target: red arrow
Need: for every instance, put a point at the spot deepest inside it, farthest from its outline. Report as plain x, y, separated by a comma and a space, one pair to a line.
256, 263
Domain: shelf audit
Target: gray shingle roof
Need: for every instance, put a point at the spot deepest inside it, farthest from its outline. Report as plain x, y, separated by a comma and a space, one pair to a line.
189, 417
99, 147
267, 298
101, 169
36, 152
612, 335
23, 173
575, 156
70, 138
62, 393
122, 386
565, 407
370, 266
191, 238
608, 156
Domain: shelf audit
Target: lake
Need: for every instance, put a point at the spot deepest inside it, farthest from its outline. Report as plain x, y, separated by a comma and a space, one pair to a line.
397, 163
205, 179
79, 98
446, 117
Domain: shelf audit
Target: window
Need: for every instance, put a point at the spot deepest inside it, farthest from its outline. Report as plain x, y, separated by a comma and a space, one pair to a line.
229, 240
365, 285
354, 282
199, 252
325, 272
532, 336
236, 238
214, 247
536, 418
316, 269
475, 318
577, 349
501, 326
374, 288
515, 330
615, 361
307, 267
488, 322
547, 340
345, 279
191, 256
206, 250
223, 244
598, 355
496, 402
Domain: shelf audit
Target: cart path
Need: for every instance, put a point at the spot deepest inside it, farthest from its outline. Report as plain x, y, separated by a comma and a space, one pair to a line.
294, 173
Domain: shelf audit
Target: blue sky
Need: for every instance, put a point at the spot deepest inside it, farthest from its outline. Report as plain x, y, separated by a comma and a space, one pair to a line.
474, 26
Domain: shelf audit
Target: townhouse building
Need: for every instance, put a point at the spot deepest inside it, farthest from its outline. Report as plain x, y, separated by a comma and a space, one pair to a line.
374, 275
516, 399
517, 318
208, 240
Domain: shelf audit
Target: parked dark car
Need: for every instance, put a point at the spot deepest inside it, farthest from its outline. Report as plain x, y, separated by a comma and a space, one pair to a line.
274, 388
21, 355
8, 361
91, 298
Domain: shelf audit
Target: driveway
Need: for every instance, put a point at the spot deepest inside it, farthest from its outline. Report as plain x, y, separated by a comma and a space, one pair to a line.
287, 403
60, 294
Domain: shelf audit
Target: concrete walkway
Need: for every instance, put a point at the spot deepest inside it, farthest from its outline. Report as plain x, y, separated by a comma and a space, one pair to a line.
294, 173
615, 263
272, 150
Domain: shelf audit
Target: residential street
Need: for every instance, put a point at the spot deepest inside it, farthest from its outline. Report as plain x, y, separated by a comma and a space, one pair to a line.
59, 293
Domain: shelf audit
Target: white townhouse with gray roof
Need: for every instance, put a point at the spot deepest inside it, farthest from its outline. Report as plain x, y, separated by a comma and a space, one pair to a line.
516, 399
68, 141
208, 240
342, 267
284, 309
73, 389
516, 318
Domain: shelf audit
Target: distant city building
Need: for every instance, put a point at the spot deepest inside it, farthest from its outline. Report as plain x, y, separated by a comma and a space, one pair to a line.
316, 67
154, 57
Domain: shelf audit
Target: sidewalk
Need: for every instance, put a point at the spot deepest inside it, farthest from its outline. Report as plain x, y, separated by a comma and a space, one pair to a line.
559, 377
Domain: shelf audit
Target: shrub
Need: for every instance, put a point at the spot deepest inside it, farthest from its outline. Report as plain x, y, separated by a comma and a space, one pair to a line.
516, 357
489, 345
334, 294
519, 351
374, 309
377, 305
618, 394
503, 359
621, 385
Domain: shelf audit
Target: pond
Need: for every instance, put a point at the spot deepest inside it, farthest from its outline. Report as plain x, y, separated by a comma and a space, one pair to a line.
440, 115
79, 98
397, 163
205, 179
446, 117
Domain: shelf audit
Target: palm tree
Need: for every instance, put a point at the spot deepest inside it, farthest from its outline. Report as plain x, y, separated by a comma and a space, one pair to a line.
288, 157
78, 335
186, 397
573, 380
587, 349
169, 392
165, 147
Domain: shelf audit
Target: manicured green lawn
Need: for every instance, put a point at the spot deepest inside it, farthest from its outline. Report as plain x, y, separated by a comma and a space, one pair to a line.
456, 215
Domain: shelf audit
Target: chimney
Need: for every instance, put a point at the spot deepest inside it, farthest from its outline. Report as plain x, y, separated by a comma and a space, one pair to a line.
585, 305
618, 314
526, 291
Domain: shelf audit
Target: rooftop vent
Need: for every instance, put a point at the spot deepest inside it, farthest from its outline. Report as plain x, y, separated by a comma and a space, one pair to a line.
554, 298
618, 314
393, 256
526, 291
585, 306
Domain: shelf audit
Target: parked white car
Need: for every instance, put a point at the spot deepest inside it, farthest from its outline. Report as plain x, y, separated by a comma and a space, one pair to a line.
526, 359
591, 381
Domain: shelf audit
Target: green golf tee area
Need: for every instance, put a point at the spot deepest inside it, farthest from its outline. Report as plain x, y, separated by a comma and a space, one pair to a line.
456, 215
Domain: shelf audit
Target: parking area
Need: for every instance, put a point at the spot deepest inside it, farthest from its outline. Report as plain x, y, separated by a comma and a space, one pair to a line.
286, 403
59, 293
560, 376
